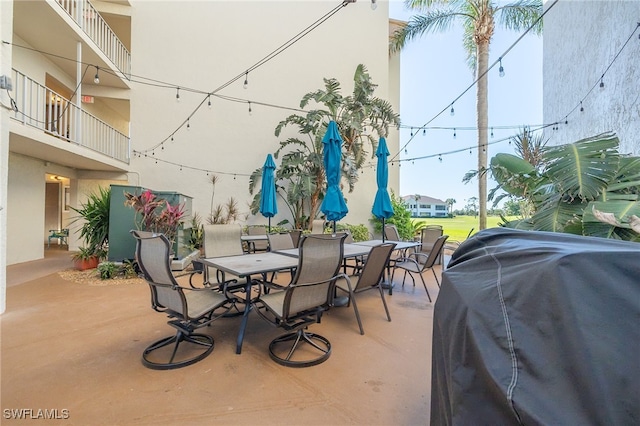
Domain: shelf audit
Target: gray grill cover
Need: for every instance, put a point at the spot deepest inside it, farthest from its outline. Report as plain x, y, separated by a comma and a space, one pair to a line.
538, 328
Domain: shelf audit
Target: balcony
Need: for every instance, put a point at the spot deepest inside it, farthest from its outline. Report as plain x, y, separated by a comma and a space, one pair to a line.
41, 108
56, 28
94, 26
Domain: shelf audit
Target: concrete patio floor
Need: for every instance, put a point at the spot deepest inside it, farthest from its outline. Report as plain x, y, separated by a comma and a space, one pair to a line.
74, 347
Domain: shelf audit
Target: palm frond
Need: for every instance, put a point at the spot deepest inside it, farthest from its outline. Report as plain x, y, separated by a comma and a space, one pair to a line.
556, 213
521, 14
583, 169
431, 21
254, 178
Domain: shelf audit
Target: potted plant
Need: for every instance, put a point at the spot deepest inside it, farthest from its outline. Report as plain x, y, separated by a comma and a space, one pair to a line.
94, 230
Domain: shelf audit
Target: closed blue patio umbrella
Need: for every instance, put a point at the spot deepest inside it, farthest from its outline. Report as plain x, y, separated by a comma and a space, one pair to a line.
268, 202
333, 206
382, 208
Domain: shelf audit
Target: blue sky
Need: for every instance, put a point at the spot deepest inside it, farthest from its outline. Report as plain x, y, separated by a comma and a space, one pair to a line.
434, 73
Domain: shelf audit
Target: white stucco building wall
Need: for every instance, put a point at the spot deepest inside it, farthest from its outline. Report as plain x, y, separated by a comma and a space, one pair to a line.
581, 40
202, 45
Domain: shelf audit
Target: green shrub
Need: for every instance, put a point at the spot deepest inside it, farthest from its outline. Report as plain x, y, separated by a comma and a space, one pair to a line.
108, 270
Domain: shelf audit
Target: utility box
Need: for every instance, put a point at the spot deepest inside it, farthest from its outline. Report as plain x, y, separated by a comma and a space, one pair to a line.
122, 245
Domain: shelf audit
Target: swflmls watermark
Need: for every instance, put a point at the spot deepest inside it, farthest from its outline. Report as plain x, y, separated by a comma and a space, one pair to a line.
35, 413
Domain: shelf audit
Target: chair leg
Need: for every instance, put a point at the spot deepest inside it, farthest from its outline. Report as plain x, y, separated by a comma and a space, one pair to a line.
425, 287
384, 302
355, 308
314, 340
436, 277
197, 339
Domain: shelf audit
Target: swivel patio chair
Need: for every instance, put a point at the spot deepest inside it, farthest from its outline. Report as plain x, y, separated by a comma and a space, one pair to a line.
370, 278
255, 246
303, 301
219, 241
189, 308
417, 263
317, 226
279, 242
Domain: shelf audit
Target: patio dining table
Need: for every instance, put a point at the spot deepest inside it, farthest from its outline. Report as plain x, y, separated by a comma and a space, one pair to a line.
246, 266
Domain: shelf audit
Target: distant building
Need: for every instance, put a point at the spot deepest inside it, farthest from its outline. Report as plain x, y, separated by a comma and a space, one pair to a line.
424, 206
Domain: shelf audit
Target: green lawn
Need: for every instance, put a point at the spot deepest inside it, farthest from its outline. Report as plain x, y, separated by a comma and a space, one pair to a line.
457, 228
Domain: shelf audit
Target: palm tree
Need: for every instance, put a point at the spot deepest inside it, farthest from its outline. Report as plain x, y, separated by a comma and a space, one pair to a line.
450, 202
478, 20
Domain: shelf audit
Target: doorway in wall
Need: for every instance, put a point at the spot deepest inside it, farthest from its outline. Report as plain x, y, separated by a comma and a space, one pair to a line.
56, 205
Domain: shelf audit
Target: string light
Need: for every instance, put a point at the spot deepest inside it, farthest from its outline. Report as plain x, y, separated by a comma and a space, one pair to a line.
96, 79
177, 94
602, 82
581, 107
452, 111
246, 80
440, 157
454, 132
412, 132
374, 4
209, 101
249, 107
188, 125
501, 69
492, 132
406, 151
424, 132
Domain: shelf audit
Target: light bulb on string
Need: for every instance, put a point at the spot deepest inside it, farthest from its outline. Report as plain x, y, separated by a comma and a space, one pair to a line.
452, 111
162, 147
406, 151
581, 107
440, 158
492, 132
602, 82
246, 80
566, 121
412, 132
249, 108
374, 4
180, 167
209, 101
501, 69
96, 79
188, 125
424, 132
454, 132
177, 94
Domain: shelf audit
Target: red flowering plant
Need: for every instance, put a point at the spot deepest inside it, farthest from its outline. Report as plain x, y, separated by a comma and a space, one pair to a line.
155, 214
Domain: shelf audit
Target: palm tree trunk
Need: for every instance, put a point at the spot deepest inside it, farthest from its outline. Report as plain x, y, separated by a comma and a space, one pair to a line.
482, 110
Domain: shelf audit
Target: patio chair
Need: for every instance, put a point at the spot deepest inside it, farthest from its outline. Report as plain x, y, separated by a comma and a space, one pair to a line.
417, 263
370, 278
189, 308
279, 242
60, 234
295, 236
354, 263
391, 233
303, 301
255, 246
317, 226
428, 236
219, 241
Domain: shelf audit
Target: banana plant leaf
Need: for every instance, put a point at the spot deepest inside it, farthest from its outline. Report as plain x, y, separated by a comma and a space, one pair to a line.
585, 168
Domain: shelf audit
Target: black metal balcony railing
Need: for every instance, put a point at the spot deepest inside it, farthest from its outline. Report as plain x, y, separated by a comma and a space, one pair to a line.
92, 23
40, 107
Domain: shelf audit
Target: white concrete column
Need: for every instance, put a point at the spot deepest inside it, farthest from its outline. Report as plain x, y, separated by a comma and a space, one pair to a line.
6, 31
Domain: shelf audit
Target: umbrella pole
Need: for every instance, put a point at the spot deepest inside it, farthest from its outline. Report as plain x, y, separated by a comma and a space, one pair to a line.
383, 229
334, 227
269, 225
